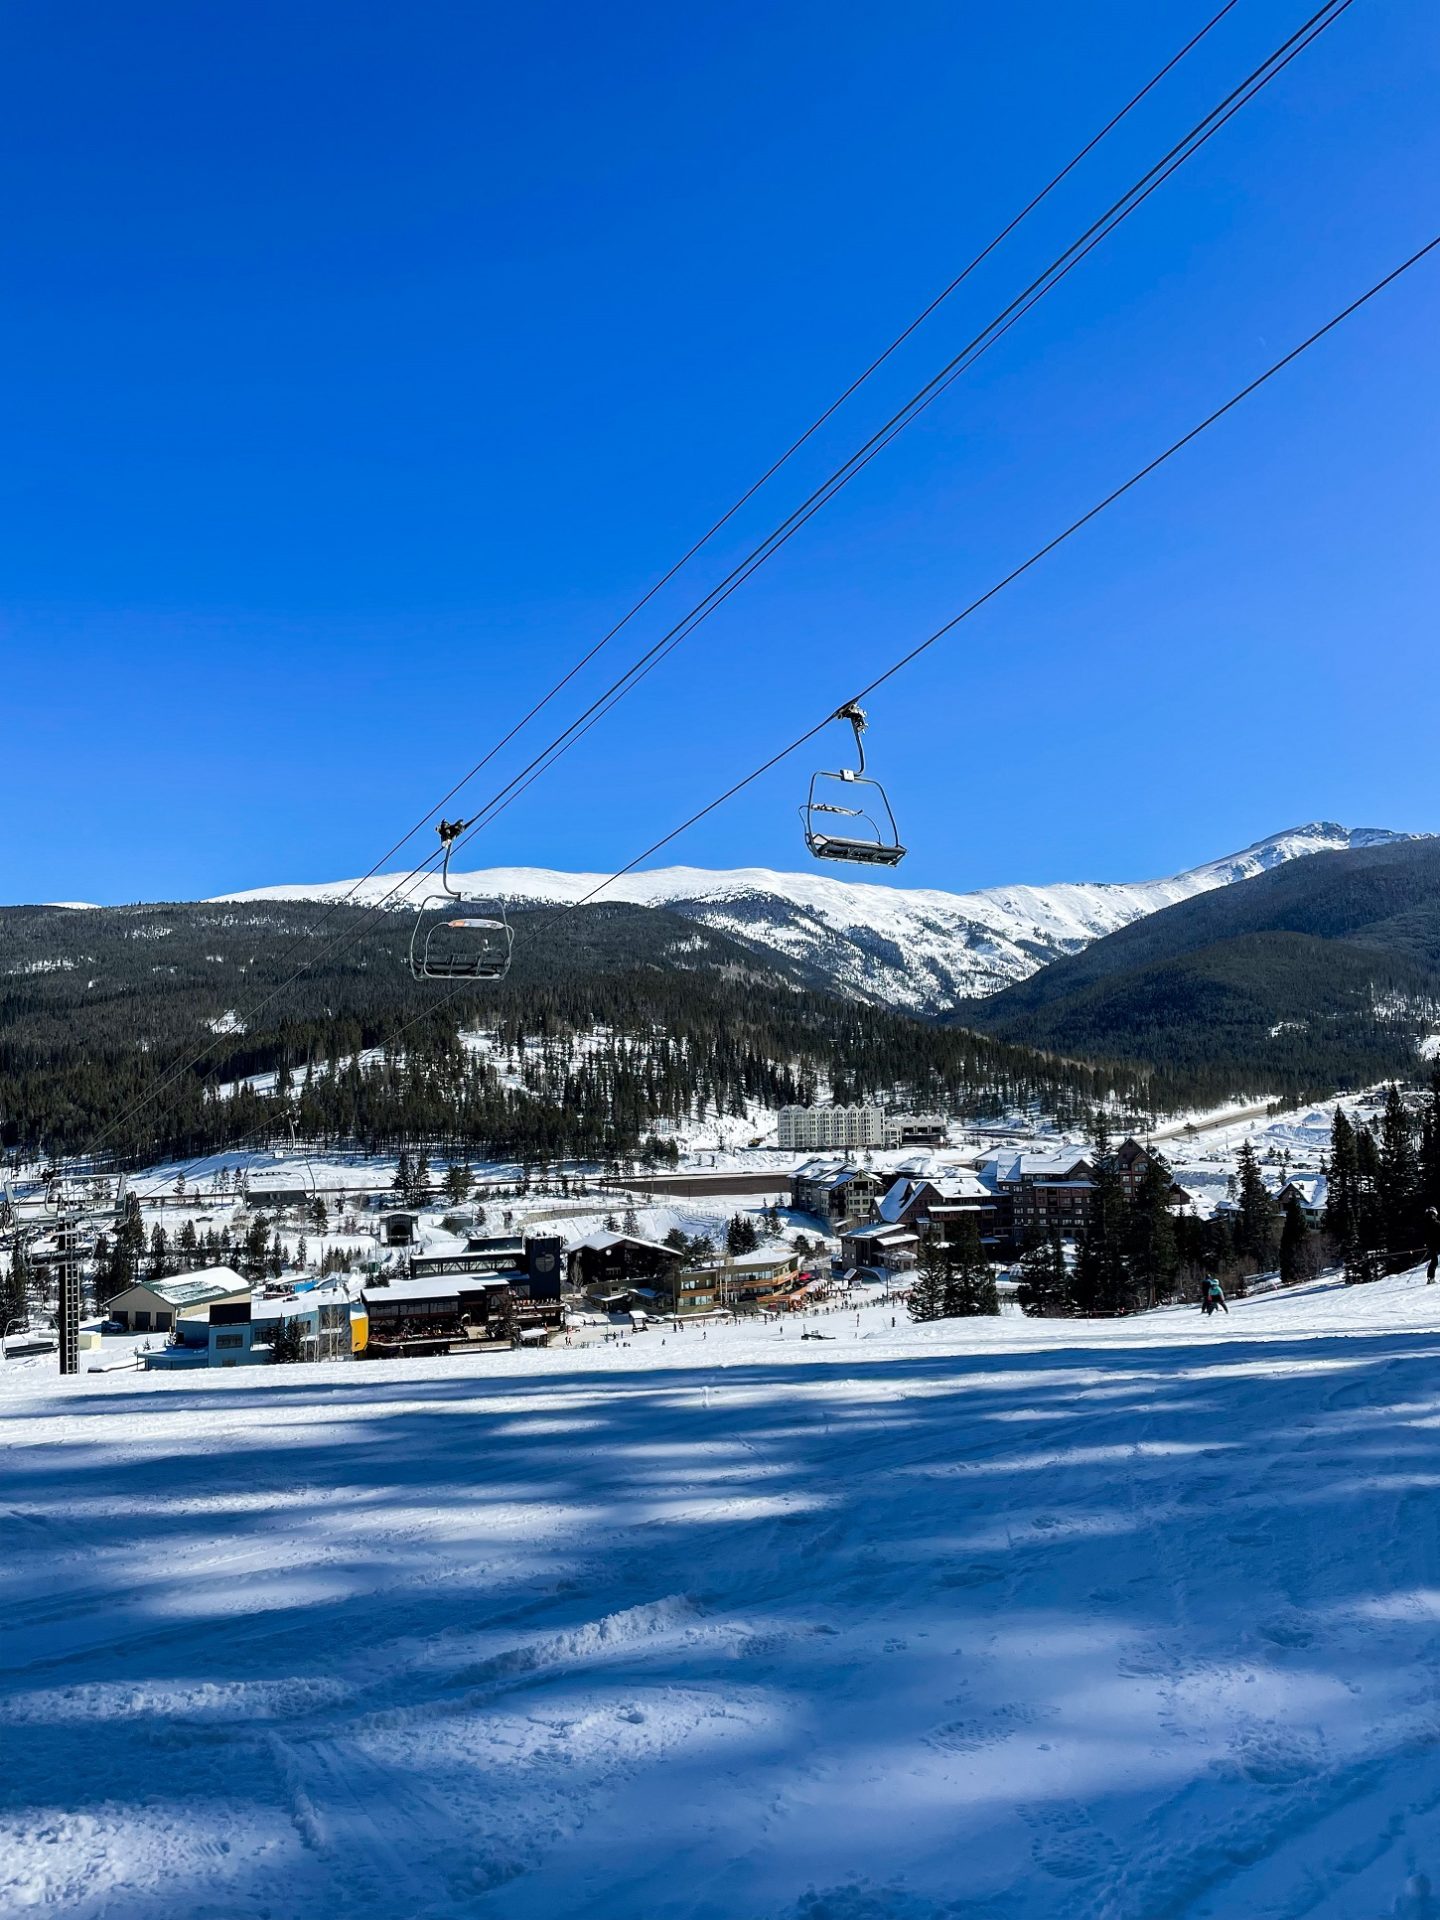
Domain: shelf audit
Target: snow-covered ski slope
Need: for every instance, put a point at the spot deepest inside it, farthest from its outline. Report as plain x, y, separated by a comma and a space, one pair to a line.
918, 948
1109, 1621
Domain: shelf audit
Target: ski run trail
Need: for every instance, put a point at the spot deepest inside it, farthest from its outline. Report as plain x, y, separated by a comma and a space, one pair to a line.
1128, 1620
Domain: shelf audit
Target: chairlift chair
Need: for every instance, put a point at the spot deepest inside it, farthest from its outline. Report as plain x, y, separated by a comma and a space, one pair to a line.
874, 840
445, 945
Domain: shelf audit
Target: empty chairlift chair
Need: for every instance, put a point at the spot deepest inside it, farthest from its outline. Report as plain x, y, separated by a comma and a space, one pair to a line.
872, 838
472, 945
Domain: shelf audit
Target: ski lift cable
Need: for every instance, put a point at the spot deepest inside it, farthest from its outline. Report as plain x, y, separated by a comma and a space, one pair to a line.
1133, 197
819, 421
1040, 553
1016, 573
907, 659
642, 667
1198, 135
982, 600
925, 397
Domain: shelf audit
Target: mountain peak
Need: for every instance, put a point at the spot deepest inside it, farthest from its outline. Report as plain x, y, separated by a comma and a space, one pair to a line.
919, 948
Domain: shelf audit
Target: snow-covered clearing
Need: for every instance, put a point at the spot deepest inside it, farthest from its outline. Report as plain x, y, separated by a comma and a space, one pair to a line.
1130, 1619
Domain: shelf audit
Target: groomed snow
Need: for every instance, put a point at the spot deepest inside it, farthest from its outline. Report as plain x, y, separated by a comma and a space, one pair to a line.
1133, 1620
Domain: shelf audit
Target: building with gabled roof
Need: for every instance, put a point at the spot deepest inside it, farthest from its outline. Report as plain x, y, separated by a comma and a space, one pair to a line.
153, 1306
1312, 1190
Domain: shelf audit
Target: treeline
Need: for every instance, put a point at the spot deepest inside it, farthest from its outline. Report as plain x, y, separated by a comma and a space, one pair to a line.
1134, 1253
1382, 1209
613, 1021
1382, 1214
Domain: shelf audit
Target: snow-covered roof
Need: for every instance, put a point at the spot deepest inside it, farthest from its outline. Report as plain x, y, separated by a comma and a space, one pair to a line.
882, 1233
948, 1188
440, 1287
777, 1257
1038, 1166
1311, 1189
600, 1242
195, 1289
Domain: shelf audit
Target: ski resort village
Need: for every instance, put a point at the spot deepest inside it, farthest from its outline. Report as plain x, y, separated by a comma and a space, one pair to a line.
702, 1215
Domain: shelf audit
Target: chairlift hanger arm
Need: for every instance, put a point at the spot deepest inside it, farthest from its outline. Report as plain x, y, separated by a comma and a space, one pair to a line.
856, 716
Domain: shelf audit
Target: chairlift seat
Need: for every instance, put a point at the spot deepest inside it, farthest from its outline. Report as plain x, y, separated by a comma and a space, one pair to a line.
872, 842
870, 853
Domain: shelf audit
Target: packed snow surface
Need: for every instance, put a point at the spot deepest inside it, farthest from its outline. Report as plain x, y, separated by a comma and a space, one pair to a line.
910, 947
1133, 1620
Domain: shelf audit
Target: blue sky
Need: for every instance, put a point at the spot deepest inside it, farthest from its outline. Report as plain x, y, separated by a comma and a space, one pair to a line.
363, 364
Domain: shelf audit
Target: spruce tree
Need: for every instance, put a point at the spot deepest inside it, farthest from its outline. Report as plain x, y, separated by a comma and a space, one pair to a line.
1429, 1157
1366, 1264
1153, 1249
1103, 1282
927, 1290
1255, 1229
740, 1234
1342, 1193
969, 1286
1294, 1245
13, 1302
128, 1249
1044, 1290
1399, 1189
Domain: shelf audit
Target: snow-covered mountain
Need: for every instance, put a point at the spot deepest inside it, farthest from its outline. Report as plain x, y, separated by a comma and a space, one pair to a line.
915, 948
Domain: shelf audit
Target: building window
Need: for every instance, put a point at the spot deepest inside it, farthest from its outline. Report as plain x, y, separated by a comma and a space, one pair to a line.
229, 1339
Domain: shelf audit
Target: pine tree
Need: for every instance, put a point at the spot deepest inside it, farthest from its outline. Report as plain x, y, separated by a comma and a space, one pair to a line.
14, 1303
287, 1343
1255, 1229
1399, 1189
160, 1266
1429, 1167
404, 1181
1154, 1254
1044, 1290
127, 1250
740, 1234
1294, 1245
1103, 1282
458, 1182
969, 1286
1365, 1263
1342, 1192
927, 1290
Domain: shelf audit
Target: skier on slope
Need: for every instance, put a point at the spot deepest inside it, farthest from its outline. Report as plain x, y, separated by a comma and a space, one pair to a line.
1212, 1295
1432, 1243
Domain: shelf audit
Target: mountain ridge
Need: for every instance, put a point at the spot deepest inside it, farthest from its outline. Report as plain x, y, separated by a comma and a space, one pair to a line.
925, 950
